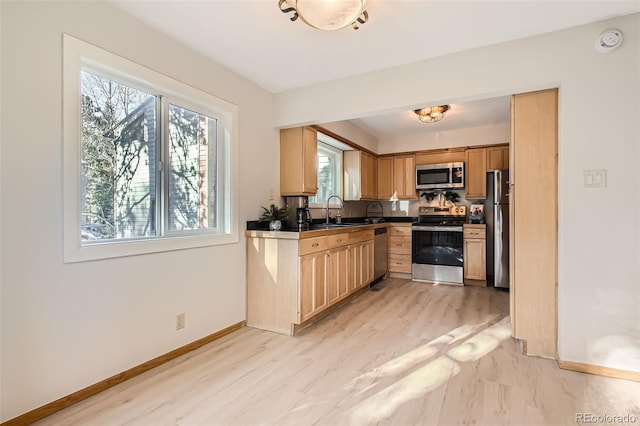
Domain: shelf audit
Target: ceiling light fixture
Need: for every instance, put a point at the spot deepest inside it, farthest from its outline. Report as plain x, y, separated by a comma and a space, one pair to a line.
431, 114
327, 15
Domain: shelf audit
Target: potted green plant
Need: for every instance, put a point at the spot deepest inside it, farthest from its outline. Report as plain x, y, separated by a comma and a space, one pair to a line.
274, 215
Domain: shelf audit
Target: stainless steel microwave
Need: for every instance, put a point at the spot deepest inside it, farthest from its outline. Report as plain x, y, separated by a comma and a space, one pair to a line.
440, 176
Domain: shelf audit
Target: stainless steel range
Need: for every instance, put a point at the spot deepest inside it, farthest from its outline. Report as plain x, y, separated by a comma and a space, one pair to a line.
437, 245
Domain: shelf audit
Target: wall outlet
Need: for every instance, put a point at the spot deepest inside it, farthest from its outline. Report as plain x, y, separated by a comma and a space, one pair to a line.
180, 321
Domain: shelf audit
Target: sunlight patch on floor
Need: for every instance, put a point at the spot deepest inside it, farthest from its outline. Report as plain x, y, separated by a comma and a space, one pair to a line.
412, 386
433, 373
425, 352
483, 342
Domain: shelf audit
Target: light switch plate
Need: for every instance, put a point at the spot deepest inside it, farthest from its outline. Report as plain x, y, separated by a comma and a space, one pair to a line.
595, 178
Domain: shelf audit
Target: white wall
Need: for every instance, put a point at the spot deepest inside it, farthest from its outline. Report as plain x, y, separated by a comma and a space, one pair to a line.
353, 133
450, 139
67, 326
599, 112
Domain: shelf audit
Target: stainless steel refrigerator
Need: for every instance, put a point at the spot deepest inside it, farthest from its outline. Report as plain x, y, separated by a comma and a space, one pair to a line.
497, 219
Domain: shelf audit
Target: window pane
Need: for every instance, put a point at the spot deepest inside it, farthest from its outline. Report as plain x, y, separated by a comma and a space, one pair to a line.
329, 173
118, 160
192, 170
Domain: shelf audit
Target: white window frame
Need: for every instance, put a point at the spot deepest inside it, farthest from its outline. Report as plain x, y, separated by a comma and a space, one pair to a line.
78, 55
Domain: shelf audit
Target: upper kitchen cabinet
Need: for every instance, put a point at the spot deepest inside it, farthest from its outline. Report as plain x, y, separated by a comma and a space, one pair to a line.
404, 175
360, 176
498, 158
385, 178
298, 163
476, 173
438, 157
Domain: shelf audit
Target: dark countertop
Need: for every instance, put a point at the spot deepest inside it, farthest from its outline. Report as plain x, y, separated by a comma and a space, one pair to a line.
254, 225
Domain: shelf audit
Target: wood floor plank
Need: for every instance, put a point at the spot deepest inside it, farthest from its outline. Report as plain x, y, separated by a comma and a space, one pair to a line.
411, 353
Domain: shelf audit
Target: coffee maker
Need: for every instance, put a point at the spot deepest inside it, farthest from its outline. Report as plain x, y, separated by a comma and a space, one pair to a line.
300, 216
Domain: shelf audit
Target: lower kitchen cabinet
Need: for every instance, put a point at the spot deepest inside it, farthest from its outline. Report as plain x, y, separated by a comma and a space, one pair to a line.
313, 284
338, 273
475, 254
400, 248
289, 281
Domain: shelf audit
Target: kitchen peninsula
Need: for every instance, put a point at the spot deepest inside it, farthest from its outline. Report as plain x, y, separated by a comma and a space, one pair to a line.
293, 278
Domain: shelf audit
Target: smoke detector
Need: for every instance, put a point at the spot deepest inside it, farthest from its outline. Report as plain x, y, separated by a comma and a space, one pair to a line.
609, 41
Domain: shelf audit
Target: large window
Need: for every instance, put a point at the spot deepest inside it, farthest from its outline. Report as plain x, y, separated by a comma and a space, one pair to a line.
329, 174
148, 160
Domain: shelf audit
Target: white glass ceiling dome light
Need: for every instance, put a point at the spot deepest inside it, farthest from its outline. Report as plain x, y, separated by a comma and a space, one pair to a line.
327, 15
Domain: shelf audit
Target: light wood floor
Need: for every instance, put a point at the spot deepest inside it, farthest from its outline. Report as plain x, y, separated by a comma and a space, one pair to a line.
409, 354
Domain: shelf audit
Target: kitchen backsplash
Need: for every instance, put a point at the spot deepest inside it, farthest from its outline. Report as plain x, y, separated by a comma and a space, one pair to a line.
393, 208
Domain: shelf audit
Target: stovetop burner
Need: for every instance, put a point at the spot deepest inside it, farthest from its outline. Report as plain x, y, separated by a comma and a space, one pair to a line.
445, 216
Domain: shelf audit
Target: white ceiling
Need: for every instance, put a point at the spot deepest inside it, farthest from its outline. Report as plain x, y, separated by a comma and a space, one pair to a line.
256, 40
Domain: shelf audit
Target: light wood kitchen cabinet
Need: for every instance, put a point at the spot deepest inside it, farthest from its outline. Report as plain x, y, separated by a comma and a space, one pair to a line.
533, 251
497, 158
298, 161
338, 273
475, 254
476, 173
400, 248
367, 259
313, 284
439, 157
385, 178
291, 280
360, 176
369, 176
404, 170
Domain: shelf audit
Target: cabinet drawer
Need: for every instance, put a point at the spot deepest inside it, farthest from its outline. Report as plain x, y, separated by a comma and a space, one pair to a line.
338, 240
399, 245
356, 237
312, 245
475, 232
400, 230
400, 263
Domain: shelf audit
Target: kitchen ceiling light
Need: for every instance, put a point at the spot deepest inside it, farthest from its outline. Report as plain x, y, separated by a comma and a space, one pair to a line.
327, 15
431, 114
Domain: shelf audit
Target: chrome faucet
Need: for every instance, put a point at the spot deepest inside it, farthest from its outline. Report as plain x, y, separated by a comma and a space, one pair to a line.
329, 199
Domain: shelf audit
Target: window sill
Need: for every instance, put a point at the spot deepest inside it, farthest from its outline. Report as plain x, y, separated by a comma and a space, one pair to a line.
113, 249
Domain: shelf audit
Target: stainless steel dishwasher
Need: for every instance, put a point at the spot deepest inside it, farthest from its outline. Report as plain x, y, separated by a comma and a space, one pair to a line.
381, 251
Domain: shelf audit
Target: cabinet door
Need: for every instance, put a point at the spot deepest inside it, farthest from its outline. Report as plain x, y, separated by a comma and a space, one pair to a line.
439, 157
310, 160
355, 267
373, 177
404, 169
476, 174
368, 176
298, 161
475, 264
497, 158
337, 274
313, 289
368, 258
385, 178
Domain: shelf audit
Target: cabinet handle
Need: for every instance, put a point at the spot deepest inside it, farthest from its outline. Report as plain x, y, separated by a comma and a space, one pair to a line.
315, 245
340, 240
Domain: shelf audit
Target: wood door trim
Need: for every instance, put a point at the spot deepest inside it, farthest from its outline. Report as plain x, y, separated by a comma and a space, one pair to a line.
67, 401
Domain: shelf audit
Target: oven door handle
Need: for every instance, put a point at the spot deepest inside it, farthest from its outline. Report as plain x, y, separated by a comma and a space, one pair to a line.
437, 228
